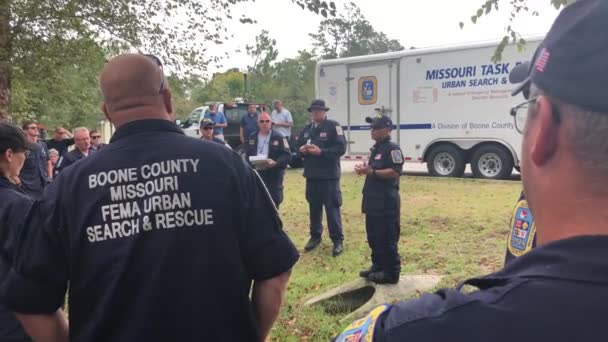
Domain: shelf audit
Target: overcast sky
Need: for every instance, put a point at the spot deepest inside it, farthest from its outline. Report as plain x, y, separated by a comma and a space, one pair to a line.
421, 23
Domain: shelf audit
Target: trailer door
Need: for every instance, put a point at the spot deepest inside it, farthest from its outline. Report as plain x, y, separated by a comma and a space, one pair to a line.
372, 85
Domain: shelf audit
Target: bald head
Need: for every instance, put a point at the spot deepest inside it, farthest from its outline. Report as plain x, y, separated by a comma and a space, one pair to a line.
131, 88
264, 123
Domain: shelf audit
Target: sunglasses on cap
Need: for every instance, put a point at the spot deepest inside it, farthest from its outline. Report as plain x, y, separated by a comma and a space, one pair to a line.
162, 73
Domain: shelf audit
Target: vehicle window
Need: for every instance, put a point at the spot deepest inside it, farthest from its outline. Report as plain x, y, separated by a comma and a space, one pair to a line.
195, 116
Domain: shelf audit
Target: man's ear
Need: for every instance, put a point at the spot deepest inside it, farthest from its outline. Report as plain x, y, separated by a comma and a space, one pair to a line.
544, 132
167, 99
8, 155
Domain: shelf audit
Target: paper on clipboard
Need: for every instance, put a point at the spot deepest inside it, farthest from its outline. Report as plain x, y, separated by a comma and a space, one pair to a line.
258, 161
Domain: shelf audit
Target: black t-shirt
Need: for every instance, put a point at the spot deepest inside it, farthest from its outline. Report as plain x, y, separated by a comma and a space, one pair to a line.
34, 175
60, 145
159, 236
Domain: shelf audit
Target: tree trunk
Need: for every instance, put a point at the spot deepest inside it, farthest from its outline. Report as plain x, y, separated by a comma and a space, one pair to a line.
5, 59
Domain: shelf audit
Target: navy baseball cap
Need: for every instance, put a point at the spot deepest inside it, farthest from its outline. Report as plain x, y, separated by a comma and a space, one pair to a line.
379, 121
572, 62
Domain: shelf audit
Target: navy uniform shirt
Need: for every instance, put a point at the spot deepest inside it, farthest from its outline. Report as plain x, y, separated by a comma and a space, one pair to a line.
70, 158
34, 175
249, 123
151, 253
278, 150
14, 205
557, 292
60, 145
381, 196
329, 137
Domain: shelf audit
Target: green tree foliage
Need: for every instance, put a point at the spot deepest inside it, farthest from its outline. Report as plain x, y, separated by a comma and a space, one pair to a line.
57, 90
351, 34
178, 31
516, 7
223, 87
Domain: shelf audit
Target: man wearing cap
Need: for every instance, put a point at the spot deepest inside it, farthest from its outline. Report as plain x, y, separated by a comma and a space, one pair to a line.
271, 145
206, 128
219, 119
321, 144
557, 291
381, 202
14, 205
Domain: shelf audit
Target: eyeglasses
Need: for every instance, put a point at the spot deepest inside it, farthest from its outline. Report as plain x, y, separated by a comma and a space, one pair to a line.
95, 136
520, 114
208, 128
264, 121
162, 73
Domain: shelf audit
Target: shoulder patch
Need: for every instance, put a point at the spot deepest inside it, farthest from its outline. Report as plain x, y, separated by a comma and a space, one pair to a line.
286, 143
275, 143
523, 230
339, 130
363, 329
396, 156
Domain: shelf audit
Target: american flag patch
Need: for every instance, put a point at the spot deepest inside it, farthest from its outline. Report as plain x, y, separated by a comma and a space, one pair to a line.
542, 60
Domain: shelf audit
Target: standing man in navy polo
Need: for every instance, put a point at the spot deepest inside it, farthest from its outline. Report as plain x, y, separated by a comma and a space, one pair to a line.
321, 144
35, 173
269, 143
381, 202
220, 121
249, 123
558, 290
148, 254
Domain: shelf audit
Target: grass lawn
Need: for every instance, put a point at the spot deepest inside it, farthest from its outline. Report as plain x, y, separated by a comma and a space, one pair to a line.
453, 227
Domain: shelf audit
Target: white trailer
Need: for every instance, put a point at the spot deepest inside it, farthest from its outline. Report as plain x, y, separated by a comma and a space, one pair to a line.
450, 105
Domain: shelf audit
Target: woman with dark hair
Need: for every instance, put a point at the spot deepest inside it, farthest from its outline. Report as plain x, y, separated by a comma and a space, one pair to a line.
14, 204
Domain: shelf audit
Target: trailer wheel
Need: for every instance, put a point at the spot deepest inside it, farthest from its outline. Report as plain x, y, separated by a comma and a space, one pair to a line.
445, 161
492, 162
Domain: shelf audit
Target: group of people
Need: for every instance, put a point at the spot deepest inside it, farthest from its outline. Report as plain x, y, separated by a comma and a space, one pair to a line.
47, 157
146, 252
321, 144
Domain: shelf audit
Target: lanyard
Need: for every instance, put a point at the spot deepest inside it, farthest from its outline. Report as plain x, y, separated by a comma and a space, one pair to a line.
261, 147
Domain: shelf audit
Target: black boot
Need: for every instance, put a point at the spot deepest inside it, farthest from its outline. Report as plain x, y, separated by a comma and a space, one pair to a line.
367, 272
384, 278
312, 244
338, 249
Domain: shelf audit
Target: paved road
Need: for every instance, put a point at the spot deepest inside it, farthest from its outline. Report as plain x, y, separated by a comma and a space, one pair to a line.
415, 169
